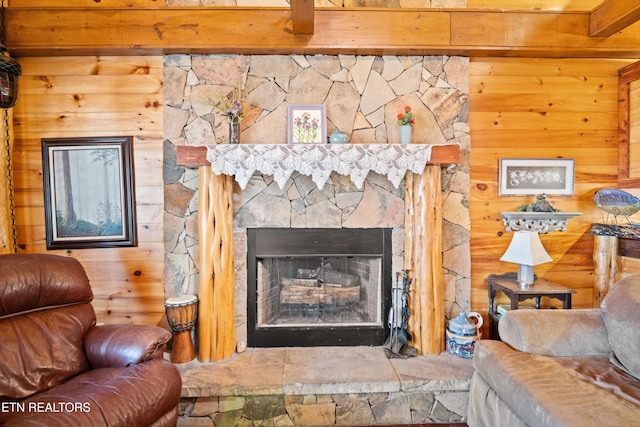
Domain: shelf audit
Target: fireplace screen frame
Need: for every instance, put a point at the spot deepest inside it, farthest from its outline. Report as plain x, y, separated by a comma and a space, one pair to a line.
313, 242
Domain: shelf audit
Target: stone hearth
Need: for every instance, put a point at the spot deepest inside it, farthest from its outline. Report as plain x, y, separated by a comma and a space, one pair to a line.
324, 386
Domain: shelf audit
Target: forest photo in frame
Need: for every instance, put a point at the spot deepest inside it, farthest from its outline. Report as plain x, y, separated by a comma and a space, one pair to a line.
89, 192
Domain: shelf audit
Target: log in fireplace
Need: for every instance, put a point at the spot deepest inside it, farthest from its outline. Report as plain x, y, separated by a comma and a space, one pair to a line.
318, 286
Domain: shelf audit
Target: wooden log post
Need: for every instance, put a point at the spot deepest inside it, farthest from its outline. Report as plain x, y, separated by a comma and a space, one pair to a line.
607, 266
423, 257
216, 309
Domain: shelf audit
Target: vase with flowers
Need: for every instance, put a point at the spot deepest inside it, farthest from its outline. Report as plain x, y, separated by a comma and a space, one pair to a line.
232, 107
406, 120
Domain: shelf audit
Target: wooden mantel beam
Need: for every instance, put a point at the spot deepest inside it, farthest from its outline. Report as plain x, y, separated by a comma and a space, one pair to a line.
358, 31
194, 157
302, 16
612, 16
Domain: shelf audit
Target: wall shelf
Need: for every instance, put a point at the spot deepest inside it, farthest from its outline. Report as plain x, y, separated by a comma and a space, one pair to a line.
542, 222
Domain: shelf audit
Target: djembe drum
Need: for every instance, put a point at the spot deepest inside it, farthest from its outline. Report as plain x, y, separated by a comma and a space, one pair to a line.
182, 312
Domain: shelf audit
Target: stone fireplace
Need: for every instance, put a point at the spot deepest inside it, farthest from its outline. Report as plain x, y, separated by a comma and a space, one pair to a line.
362, 97
309, 186
317, 286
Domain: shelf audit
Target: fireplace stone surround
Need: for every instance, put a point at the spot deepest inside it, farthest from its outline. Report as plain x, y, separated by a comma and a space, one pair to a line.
442, 89
420, 219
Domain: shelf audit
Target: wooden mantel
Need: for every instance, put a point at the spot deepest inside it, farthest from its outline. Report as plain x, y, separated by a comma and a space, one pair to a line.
194, 157
422, 254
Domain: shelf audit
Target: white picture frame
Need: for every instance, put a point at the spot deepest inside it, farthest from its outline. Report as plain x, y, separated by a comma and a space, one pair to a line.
528, 177
307, 124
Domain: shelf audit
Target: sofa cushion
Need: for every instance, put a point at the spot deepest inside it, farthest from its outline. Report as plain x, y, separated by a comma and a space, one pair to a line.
137, 395
42, 349
556, 332
558, 391
621, 314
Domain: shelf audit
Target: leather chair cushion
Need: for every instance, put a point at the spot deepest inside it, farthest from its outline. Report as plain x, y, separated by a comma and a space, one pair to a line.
49, 338
621, 314
137, 395
35, 281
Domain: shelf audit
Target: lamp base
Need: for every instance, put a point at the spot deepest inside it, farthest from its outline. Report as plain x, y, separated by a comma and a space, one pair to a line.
525, 276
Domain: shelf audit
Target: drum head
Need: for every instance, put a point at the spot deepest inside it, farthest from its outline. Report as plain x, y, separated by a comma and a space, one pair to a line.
181, 300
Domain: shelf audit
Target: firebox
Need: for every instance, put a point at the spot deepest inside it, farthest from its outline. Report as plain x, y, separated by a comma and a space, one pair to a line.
318, 286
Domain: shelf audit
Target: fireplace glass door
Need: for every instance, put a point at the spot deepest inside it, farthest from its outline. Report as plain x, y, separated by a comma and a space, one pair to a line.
328, 291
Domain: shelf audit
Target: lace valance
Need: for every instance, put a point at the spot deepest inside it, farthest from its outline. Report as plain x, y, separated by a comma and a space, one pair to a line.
318, 161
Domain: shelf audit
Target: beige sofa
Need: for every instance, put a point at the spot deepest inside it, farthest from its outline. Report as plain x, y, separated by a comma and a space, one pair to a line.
562, 367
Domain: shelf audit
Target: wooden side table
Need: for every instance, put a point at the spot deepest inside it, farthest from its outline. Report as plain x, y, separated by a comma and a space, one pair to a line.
506, 283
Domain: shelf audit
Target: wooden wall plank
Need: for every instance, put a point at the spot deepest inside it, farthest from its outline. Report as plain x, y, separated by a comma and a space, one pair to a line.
500, 130
114, 85
36, 4
98, 96
90, 65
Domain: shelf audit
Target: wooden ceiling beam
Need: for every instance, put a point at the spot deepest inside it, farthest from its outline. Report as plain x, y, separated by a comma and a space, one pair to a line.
612, 16
359, 31
302, 16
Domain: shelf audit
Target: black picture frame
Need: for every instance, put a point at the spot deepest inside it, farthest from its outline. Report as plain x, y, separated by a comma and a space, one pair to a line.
89, 192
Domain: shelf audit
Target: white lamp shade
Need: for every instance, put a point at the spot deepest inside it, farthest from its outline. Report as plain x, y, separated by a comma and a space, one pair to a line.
526, 248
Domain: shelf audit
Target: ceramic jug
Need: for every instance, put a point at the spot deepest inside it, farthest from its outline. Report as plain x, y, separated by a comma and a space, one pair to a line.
462, 334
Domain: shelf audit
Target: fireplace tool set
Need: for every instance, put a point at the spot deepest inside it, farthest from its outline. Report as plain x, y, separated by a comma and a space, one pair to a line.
397, 343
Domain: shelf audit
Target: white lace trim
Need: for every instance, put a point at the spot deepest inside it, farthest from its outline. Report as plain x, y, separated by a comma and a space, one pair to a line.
318, 161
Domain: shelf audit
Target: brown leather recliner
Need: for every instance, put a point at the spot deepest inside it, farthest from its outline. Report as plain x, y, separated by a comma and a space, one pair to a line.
57, 368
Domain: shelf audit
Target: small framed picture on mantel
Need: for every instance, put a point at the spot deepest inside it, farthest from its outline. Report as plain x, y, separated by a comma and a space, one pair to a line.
530, 177
307, 124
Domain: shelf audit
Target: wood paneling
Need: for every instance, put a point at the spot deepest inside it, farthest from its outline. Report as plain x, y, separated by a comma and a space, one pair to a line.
541, 108
202, 30
98, 96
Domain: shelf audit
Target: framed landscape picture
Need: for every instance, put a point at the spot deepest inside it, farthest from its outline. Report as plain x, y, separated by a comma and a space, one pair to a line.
307, 124
89, 192
536, 176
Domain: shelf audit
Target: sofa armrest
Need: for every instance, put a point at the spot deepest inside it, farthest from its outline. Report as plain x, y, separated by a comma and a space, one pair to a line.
124, 345
556, 332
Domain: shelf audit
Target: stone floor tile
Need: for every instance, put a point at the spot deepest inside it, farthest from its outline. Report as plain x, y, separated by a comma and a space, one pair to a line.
323, 370
213, 378
434, 372
264, 374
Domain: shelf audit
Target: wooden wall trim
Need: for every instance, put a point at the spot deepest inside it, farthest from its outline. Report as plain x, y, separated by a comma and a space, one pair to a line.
626, 75
170, 30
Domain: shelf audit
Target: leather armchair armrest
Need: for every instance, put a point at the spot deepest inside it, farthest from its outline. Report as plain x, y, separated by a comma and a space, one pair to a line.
124, 345
556, 332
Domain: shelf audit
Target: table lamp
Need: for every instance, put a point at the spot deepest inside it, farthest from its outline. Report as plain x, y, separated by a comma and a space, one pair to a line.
526, 250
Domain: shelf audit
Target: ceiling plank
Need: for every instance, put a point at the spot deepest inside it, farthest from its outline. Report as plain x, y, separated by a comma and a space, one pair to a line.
302, 16
358, 31
612, 16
